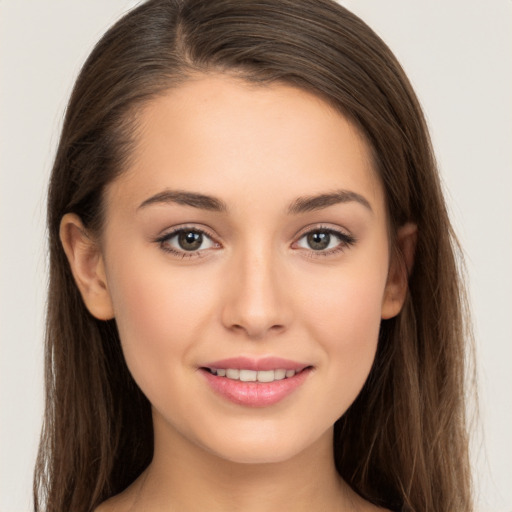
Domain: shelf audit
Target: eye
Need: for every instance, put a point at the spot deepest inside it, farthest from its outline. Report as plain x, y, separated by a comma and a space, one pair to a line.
325, 240
186, 242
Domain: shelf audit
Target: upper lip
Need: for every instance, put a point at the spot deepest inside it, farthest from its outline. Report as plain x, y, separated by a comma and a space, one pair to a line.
261, 364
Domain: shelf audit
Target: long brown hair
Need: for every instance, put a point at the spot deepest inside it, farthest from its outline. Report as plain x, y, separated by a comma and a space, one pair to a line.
403, 442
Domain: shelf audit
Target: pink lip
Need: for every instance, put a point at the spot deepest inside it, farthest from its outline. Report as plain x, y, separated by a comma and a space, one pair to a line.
265, 363
255, 394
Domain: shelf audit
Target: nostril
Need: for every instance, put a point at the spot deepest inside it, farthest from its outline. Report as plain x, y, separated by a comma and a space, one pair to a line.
257, 330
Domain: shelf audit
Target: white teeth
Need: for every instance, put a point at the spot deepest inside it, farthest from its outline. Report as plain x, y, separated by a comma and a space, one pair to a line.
266, 376
232, 374
279, 374
253, 375
248, 375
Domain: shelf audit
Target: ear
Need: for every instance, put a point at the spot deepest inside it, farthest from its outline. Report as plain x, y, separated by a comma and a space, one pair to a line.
86, 262
400, 267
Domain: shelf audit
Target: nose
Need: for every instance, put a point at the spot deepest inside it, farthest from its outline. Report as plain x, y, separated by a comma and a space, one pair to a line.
256, 302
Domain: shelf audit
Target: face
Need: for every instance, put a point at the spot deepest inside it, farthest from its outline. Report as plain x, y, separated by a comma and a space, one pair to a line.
247, 240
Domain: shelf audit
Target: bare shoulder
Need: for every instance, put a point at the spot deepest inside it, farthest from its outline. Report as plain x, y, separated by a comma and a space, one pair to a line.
104, 507
122, 502
125, 500
114, 504
355, 501
363, 505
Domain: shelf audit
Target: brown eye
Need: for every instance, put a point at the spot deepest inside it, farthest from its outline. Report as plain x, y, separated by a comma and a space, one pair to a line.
186, 241
190, 240
325, 241
319, 240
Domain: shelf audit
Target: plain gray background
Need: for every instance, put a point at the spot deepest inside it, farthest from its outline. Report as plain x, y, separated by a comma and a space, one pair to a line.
458, 55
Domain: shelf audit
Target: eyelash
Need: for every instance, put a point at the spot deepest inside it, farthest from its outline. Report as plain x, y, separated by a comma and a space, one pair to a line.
345, 241
164, 240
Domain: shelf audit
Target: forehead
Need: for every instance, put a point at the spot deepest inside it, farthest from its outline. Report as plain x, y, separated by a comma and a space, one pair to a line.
223, 136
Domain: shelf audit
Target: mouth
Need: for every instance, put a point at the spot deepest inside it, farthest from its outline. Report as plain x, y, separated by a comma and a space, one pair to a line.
255, 383
246, 375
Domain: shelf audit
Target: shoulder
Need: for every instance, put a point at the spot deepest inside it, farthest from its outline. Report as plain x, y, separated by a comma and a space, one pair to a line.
110, 506
125, 500
122, 502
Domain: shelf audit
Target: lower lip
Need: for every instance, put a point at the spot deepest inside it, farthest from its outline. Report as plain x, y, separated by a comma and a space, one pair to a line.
255, 394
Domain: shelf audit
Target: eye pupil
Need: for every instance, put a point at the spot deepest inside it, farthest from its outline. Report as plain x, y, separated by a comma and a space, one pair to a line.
319, 240
190, 240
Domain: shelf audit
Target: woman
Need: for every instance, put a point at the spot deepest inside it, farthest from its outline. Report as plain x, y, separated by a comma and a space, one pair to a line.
254, 302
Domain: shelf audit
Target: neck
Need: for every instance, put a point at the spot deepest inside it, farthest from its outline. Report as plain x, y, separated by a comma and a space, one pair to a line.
184, 476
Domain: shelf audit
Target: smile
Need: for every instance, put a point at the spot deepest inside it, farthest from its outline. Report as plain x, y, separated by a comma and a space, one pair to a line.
253, 375
255, 382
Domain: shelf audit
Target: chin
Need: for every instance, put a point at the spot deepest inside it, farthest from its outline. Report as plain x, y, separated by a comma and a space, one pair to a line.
264, 446
256, 455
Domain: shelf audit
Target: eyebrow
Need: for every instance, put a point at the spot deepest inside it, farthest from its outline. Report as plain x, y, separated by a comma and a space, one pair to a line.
193, 199
299, 205
321, 201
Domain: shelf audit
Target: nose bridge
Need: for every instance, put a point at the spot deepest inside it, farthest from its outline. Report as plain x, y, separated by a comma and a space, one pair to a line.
256, 300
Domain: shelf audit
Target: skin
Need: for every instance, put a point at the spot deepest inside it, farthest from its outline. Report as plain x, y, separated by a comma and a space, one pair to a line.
254, 288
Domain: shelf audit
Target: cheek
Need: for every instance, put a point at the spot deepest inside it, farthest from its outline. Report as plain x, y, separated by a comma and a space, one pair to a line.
348, 320
345, 304
159, 313
345, 319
